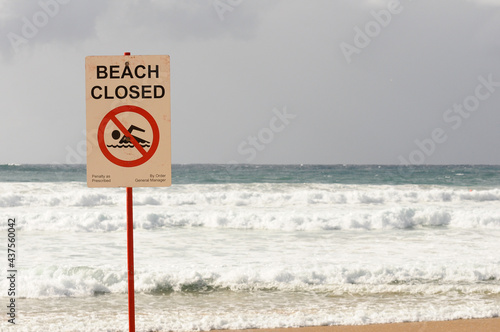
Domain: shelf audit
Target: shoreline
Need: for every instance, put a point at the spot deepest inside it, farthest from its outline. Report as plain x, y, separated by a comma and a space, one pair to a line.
458, 325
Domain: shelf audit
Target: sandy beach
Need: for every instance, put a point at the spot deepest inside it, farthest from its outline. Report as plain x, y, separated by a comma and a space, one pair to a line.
461, 325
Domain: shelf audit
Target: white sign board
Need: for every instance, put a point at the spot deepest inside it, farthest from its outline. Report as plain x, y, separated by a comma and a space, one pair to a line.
128, 121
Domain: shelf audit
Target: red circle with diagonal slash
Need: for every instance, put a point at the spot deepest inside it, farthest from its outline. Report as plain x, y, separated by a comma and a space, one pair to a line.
146, 155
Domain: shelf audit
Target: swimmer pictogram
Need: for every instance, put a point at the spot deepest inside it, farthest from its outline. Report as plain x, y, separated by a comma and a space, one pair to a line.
125, 141
141, 140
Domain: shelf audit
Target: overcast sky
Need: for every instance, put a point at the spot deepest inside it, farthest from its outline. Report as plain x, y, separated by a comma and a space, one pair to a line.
266, 81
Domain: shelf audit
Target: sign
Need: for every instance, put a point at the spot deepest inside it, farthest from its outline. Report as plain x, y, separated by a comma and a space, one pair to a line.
128, 121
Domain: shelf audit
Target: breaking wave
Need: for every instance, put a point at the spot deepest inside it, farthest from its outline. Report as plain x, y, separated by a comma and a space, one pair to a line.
58, 281
291, 207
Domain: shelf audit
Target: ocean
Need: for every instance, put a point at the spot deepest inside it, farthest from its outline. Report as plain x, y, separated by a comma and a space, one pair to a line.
252, 246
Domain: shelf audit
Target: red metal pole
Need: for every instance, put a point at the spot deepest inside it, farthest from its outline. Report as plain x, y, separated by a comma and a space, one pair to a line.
130, 257
130, 260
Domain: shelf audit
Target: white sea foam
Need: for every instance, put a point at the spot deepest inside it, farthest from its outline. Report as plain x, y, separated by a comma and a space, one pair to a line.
258, 299
77, 281
253, 255
258, 195
73, 207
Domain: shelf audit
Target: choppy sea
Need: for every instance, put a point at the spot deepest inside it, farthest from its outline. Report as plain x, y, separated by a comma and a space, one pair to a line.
253, 246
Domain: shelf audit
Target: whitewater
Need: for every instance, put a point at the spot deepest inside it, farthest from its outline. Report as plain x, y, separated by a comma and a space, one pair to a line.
255, 254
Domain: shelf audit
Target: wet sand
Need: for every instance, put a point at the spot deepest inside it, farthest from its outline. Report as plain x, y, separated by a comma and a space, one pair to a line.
461, 325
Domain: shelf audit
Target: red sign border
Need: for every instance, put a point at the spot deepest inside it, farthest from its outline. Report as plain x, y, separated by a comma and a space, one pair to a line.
146, 155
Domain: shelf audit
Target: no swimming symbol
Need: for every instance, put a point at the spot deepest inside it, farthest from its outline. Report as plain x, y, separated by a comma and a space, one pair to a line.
124, 123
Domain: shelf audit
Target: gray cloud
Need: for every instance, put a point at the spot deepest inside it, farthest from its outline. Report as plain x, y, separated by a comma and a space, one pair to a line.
181, 19
229, 75
28, 24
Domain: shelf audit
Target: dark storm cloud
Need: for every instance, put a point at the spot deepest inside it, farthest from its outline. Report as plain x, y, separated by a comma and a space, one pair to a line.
232, 67
427, 60
26, 24
29, 23
183, 19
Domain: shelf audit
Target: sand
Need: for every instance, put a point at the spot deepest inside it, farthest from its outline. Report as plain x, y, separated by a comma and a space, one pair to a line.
461, 325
